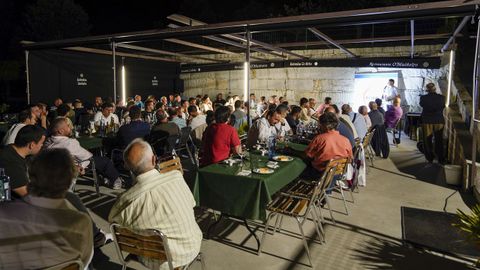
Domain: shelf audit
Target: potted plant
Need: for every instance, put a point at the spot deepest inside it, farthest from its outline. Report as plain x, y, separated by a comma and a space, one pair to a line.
470, 224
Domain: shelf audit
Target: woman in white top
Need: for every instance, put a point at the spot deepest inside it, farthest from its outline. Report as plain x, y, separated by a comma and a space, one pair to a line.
206, 104
363, 110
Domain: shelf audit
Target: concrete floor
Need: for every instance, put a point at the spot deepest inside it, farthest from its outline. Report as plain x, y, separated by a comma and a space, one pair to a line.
370, 237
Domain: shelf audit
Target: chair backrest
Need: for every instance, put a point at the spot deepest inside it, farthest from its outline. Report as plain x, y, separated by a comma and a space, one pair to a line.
368, 137
323, 183
70, 265
340, 164
152, 244
184, 135
170, 165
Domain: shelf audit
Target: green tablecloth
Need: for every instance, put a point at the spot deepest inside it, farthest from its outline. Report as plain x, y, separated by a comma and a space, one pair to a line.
218, 187
90, 143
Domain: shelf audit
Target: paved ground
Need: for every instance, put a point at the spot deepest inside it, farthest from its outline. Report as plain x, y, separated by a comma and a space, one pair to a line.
370, 237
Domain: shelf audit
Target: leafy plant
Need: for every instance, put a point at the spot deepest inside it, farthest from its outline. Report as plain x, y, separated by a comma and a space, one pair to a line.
470, 223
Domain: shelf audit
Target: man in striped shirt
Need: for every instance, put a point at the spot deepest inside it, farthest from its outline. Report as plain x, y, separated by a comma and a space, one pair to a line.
159, 201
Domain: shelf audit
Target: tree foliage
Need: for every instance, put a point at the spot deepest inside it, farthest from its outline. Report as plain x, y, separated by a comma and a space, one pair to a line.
54, 19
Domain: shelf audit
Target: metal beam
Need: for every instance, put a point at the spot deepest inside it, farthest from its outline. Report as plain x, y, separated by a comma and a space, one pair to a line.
145, 49
231, 43
107, 52
321, 35
433, 10
455, 33
364, 40
199, 46
412, 38
192, 22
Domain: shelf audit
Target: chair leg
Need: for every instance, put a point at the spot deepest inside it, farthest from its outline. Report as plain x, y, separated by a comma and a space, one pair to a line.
124, 267
351, 194
317, 226
304, 240
95, 181
265, 232
330, 209
276, 225
344, 201
190, 155
320, 220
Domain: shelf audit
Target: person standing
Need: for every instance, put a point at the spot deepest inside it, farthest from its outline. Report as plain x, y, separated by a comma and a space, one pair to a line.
433, 123
390, 91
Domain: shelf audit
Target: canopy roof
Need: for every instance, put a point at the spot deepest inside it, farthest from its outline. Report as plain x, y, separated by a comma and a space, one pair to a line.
191, 41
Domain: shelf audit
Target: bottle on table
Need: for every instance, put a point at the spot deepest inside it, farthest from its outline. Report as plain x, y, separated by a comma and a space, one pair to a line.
5, 191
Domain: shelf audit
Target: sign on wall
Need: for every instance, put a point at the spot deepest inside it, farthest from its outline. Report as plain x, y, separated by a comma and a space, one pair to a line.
81, 80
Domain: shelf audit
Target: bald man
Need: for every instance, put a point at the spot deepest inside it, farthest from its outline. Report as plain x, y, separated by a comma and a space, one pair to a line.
159, 201
60, 138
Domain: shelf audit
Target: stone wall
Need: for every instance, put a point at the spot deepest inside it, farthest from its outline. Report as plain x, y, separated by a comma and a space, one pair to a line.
318, 82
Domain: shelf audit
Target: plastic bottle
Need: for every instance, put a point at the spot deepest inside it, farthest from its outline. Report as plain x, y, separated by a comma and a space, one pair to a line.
5, 181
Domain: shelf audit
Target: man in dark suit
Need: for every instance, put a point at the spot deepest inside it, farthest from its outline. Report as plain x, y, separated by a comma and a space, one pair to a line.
433, 123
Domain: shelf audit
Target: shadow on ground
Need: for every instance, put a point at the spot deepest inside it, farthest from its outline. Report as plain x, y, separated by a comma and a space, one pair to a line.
384, 254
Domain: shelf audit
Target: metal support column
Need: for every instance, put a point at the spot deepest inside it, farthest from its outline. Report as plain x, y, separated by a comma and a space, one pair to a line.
114, 73
27, 72
476, 74
412, 37
247, 74
451, 66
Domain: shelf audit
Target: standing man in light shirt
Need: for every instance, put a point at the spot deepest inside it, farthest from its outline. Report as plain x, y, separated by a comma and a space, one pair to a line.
390, 91
160, 201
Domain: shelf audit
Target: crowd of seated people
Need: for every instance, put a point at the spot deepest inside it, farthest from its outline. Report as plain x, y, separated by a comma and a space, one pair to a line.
47, 136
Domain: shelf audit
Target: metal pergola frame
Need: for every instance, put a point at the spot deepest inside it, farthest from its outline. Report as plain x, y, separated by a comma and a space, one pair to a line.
239, 35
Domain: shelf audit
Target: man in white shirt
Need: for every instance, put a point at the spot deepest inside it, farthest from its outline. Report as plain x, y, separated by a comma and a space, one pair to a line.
160, 201
282, 127
263, 128
106, 115
390, 91
196, 119
60, 138
24, 118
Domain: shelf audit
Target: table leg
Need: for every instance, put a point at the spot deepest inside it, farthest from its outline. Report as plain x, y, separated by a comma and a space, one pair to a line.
252, 232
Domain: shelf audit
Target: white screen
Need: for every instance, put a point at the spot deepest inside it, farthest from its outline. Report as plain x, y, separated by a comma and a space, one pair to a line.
369, 86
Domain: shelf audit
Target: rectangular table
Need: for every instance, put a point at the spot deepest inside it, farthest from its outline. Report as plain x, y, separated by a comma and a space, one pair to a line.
218, 187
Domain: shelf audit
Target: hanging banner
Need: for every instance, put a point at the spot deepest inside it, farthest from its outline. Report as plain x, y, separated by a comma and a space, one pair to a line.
421, 63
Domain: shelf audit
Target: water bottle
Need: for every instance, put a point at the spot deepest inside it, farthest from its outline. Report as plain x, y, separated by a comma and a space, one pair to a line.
271, 147
5, 186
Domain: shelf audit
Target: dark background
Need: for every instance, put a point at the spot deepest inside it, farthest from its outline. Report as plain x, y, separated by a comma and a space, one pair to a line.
41, 20
54, 73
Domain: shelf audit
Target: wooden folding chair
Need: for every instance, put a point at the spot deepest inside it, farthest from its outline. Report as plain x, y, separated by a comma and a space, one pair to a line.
150, 244
369, 153
170, 165
299, 208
